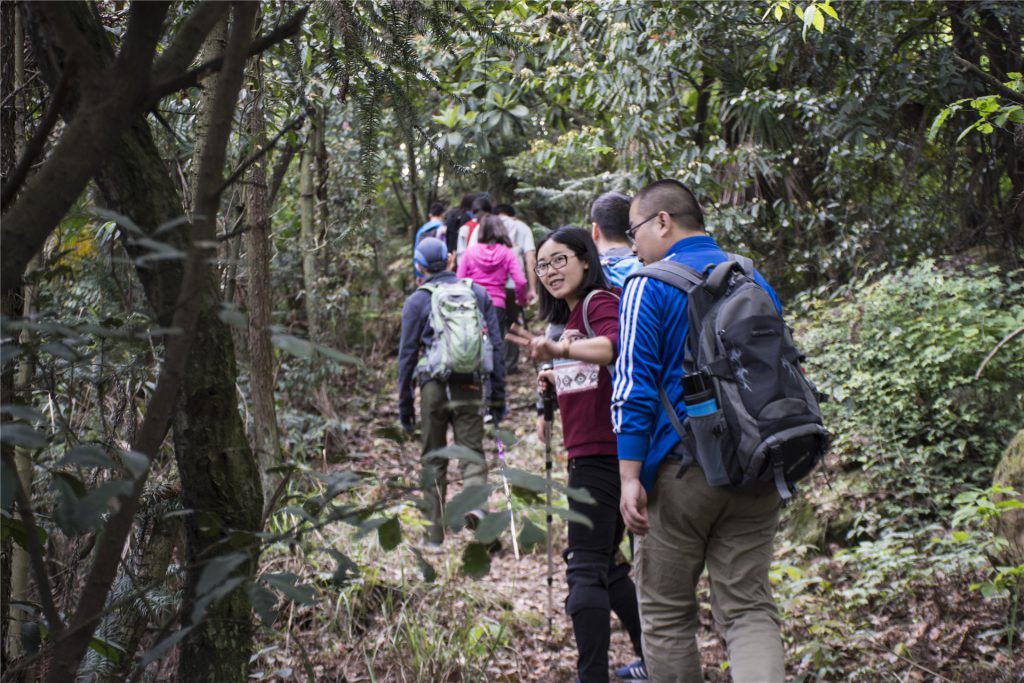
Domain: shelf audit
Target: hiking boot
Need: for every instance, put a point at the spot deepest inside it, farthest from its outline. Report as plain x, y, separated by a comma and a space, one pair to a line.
473, 518
637, 671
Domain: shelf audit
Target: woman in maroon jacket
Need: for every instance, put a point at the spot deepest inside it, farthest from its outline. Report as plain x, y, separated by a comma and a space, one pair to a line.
575, 294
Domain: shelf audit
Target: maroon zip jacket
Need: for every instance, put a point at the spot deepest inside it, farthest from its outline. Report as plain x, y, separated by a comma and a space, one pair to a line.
586, 415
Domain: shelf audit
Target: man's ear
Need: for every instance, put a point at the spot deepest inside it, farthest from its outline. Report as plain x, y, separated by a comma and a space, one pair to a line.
664, 223
595, 231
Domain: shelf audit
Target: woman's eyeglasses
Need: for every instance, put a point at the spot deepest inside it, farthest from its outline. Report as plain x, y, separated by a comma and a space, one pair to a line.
557, 262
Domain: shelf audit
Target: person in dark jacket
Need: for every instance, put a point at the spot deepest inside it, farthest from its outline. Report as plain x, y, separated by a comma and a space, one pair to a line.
457, 401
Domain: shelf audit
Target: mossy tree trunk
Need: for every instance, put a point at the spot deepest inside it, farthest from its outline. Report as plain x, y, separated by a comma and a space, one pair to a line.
257, 256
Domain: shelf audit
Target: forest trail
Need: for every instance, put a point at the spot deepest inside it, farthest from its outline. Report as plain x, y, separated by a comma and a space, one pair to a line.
515, 594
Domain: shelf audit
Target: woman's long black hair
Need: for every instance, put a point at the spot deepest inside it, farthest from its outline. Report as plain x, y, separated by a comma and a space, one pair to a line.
580, 243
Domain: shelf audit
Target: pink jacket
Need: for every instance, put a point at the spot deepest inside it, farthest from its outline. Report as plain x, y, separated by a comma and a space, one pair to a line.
490, 266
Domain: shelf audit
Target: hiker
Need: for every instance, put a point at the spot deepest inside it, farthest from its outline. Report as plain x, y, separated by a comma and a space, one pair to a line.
491, 263
468, 231
575, 294
683, 524
450, 350
457, 217
526, 253
434, 227
609, 218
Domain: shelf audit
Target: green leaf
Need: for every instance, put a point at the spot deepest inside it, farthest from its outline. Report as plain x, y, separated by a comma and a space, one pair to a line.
161, 649
285, 583
492, 526
14, 529
469, 498
827, 8
572, 516
390, 534
818, 20
217, 571
26, 413
108, 649
809, 13
292, 345
219, 593
263, 601
335, 355
581, 495
229, 315
18, 434
135, 462
530, 535
346, 568
526, 480
62, 351
426, 569
507, 436
89, 455
457, 452
476, 561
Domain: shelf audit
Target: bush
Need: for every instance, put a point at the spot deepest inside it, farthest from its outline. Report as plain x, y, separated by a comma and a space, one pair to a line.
898, 356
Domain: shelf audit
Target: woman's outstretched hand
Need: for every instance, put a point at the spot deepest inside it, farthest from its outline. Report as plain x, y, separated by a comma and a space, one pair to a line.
540, 347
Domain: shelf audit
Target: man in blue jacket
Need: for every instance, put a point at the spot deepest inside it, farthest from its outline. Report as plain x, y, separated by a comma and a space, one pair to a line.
683, 524
457, 401
609, 219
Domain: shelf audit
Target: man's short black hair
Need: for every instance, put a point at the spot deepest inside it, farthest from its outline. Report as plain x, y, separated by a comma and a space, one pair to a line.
505, 209
674, 197
611, 213
482, 203
437, 209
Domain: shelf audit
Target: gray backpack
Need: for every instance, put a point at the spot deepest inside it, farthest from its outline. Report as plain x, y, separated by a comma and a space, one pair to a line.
460, 344
767, 427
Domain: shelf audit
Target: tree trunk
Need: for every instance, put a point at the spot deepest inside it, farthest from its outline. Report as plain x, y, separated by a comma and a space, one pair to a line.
261, 351
11, 51
307, 241
220, 478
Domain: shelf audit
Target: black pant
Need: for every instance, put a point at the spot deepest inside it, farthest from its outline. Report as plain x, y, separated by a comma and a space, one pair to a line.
510, 315
598, 583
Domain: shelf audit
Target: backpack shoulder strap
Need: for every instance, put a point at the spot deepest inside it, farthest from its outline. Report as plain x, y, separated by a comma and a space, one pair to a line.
671, 273
586, 315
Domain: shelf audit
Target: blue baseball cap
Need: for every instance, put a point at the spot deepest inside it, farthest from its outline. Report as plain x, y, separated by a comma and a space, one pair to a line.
431, 254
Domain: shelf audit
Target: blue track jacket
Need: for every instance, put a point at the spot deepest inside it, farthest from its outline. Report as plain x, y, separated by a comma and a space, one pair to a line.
652, 341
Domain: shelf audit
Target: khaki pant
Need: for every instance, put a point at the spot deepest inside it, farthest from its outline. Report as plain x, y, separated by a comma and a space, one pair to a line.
693, 526
462, 412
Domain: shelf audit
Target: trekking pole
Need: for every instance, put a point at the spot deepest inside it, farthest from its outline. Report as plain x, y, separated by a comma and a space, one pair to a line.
508, 494
549, 417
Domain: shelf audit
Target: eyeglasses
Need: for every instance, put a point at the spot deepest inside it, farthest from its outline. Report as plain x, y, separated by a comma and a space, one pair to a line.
557, 262
631, 230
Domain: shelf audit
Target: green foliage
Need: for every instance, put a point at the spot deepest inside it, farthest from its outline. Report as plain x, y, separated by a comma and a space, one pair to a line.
898, 357
993, 111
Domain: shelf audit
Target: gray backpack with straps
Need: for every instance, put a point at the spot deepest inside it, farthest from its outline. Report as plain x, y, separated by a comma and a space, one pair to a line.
767, 428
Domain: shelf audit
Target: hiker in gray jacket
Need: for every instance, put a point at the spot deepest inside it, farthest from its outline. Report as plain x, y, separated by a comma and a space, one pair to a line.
448, 396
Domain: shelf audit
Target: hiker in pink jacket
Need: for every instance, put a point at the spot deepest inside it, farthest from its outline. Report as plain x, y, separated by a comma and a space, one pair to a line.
490, 262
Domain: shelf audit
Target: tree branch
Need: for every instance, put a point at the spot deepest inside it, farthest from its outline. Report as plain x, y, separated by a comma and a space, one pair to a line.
188, 40
35, 553
192, 78
990, 80
294, 123
35, 146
